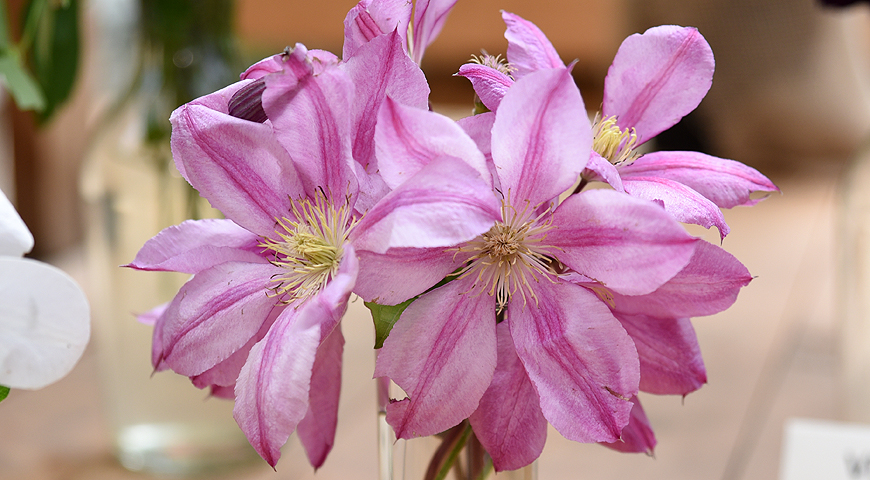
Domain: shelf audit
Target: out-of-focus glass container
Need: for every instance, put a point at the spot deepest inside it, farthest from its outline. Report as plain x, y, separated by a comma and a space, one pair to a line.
173, 51
456, 451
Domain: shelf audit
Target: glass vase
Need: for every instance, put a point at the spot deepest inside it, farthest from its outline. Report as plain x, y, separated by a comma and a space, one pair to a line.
159, 422
455, 454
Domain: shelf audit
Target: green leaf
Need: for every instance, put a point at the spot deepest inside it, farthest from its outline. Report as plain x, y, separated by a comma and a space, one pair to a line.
55, 54
4, 392
24, 89
384, 317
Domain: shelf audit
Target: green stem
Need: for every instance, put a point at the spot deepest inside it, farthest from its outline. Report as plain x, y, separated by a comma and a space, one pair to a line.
454, 453
34, 14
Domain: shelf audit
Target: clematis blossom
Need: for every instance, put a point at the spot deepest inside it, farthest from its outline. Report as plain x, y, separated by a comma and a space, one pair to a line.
655, 80
510, 342
260, 318
44, 315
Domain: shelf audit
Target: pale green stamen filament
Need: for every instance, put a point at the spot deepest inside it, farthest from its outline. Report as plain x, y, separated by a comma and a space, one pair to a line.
613, 143
511, 255
310, 247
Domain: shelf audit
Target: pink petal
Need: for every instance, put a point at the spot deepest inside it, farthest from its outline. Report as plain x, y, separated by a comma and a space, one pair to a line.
479, 128
380, 68
398, 274
273, 387
264, 67
629, 245
489, 84
685, 204
310, 116
236, 164
372, 18
508, 421
317, 429
442, 352
429, 18
407, 139
197, 245
637, 436
582, 363
529, 50
657, 78
724, 182
272, 391
225, 373
442, 205
214, 314
708, 284
541, 137
604, 171
670, 358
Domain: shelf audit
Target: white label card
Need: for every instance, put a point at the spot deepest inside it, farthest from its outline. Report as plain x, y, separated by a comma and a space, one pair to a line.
825, 450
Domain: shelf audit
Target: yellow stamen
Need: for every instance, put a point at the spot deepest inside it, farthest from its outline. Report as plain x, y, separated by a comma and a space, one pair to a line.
511, 255
613, 143
310, 247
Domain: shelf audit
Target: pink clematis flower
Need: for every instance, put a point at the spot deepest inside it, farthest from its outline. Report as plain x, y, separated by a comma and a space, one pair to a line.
512, 343
259, 319
656, 78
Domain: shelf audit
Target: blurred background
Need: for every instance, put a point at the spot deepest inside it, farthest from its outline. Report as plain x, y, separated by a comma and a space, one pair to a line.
791, 97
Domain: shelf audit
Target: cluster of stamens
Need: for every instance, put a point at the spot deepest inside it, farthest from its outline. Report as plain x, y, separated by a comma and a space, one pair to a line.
613, 143
511, 255
494, 62
309, 247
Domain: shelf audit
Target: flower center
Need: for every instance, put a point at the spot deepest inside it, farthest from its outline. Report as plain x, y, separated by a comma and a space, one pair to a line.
310, 247
511, 255
612, 143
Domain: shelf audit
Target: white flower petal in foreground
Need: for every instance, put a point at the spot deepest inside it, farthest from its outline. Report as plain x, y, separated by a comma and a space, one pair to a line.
44, 323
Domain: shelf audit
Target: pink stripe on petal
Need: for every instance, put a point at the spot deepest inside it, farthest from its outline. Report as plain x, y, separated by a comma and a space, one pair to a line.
724, 182
372, 18
489, 84
529, 50
317, 429
214, 314
685, 204
380, 68
311, 119
236, 164
273, 387
392, 277
582, 363
442, 205
407, 139
508, 421
670, 358
631, 246
707, 285
197, 245
541, 137
442, 352
429, 18
657, 78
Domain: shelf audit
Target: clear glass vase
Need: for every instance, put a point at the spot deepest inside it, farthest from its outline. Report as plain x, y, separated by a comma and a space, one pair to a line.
159, 422
452, 455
